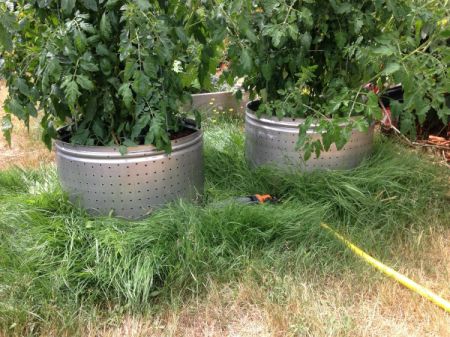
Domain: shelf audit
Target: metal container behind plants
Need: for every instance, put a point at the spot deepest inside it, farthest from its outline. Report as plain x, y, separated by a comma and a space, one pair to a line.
103, 181
222, 100
273, 141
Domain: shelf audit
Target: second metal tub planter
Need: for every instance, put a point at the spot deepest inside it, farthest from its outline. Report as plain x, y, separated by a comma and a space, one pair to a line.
270, 141
130, 186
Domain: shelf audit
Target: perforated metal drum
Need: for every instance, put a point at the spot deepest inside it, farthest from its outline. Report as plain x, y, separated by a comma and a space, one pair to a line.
272, 141
102, 180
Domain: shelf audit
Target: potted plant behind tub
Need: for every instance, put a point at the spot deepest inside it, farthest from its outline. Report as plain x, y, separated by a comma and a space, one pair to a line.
302, 60
110, 73
214, 92
219, 96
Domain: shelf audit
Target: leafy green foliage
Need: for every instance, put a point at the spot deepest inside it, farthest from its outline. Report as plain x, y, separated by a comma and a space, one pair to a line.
8, 24
312, 58
7, 127
419, 61
106, 68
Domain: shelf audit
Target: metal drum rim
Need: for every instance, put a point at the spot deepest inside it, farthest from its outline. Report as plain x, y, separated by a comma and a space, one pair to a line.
110, 152
216, 93
285, 124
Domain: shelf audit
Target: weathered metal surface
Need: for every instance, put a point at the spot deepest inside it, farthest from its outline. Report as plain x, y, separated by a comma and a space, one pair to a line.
273, 141
221, 101
102, 180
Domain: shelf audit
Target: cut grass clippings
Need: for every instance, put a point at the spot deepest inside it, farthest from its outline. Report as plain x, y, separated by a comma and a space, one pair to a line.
57, 263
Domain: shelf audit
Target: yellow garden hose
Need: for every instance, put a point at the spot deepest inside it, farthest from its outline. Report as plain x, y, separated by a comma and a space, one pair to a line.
439, 301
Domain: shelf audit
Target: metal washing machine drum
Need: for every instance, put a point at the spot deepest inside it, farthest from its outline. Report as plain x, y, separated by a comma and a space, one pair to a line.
270, 141
101, 180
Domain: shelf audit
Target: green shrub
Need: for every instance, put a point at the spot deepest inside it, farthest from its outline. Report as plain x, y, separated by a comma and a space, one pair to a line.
115, 70
312, 59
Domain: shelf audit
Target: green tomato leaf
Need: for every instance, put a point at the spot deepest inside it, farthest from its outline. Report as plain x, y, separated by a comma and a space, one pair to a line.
23, 87
246, 60
81, 136
123, 150
361, 124
444, 114
141, 123
341, 39
105, 66
307, 151
80, 41
127, 94
318, 148
5, 38
105, 27
85, 82
67, 6
71, 90
99, 129
102, 50
7, 128
130, 68
307, 17
306, 39
343, 8
88, 63
384, 50
391, 68
293, 32
143, 4
141, 84
90, 4
266, 70
373, 109
13, 106
422, 106
111, 3
277, 35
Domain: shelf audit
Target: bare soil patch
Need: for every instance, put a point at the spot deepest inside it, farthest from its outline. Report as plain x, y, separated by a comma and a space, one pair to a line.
26, 149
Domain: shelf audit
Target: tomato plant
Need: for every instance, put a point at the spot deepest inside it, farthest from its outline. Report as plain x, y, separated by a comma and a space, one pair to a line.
113, 70
312, 59
419, 62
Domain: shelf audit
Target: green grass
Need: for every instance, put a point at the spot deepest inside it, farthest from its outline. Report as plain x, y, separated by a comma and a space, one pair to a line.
57, 263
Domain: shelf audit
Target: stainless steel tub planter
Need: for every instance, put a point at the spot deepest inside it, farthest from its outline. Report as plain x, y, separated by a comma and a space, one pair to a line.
222, 100
131, 186
270, 141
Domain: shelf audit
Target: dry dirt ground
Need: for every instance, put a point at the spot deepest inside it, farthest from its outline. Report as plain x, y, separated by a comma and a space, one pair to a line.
307, 306
311, 306
26, 150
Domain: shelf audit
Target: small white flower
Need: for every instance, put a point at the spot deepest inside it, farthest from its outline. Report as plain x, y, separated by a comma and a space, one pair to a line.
177, 66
